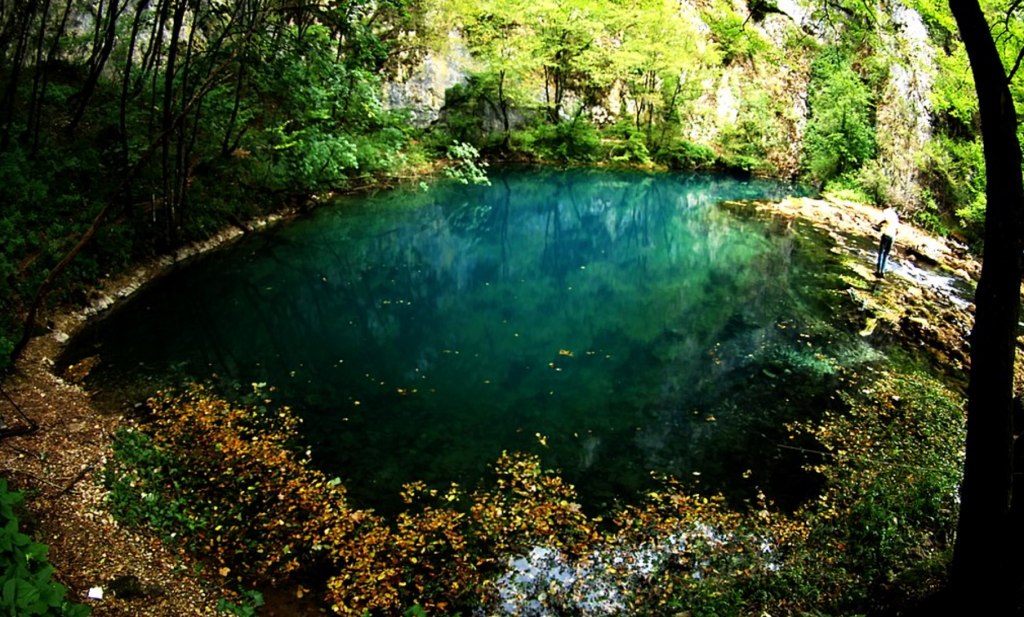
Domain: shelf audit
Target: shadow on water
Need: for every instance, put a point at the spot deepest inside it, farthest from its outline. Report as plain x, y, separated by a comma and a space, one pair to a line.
616, 323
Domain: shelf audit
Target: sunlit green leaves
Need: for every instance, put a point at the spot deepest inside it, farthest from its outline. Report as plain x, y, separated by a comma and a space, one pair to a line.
840, 130
26, 585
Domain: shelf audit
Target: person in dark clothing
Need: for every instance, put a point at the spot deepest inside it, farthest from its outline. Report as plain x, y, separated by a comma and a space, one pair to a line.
888, 226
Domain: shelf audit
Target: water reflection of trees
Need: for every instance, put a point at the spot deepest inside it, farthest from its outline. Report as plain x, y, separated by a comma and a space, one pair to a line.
469, 300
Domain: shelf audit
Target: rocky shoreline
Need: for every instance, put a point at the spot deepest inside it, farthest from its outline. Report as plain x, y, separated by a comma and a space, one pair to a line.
60, 464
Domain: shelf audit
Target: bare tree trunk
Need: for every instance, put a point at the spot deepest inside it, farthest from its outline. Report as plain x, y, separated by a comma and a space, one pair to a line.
503, 102
17, 63
122, 123
97, 62
144, 158
986, 564
34, 102
227, 146
51, 55
169, 183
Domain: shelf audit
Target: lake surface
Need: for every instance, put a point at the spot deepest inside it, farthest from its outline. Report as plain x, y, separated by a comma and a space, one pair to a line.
616, 323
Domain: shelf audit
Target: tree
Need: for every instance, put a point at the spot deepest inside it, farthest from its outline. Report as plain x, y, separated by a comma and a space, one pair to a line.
498, 35
176, 112
657, 59
840, 132
986, 567
566, 30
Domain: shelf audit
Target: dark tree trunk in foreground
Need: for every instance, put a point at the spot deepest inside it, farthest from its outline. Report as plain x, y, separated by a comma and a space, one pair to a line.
986, 563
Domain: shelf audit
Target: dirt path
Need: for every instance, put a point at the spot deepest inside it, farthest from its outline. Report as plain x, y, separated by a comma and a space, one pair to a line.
60, 464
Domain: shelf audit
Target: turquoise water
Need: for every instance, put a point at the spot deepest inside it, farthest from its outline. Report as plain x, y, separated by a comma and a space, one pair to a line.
616, 323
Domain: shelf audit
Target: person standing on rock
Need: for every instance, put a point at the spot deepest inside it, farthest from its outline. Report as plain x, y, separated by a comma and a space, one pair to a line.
888, 226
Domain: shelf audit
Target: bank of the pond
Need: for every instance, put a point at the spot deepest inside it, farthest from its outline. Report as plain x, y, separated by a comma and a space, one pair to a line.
59, 464
59, 446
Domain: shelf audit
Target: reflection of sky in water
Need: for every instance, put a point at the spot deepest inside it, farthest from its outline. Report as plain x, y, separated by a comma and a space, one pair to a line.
612, 316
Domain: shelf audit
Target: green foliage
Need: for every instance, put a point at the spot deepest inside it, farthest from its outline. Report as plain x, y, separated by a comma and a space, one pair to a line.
466, 166
685, 155
930, 216
566, 142
849, 188
26, 588
630, 145
873, 180
262, 106
840, 126
324, 120
463, 115
741, 164
892, 468
757, 132
247, 605
736, 41
955, 180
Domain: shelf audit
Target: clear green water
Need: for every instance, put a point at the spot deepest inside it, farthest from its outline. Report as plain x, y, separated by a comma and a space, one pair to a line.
616, 323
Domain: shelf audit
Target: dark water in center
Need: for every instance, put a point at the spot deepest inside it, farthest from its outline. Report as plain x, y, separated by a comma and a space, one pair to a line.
616, 323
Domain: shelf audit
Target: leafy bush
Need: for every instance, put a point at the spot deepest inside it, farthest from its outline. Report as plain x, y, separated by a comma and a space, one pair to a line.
466, 166
566, 142
249, 602
840, 126
741, 163
462, 115
685, 155
892, 465
954, 172
225, 481
758, 132
627, 144
26, 588
729, 31
929, 216
873, 180
847, 187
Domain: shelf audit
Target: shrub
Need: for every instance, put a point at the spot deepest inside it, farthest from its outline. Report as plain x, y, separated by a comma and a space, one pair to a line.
734, 39
954, 175
466, 166
892, 465
757, 132
685, 155
566, 142
848, 187
26, 588
226, 482
840, 126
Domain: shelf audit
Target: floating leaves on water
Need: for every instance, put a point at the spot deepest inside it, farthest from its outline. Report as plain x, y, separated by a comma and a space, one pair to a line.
542, 439
565, 352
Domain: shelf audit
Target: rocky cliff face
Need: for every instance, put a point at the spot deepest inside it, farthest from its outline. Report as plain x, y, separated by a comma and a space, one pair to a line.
421, 88
904, 109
